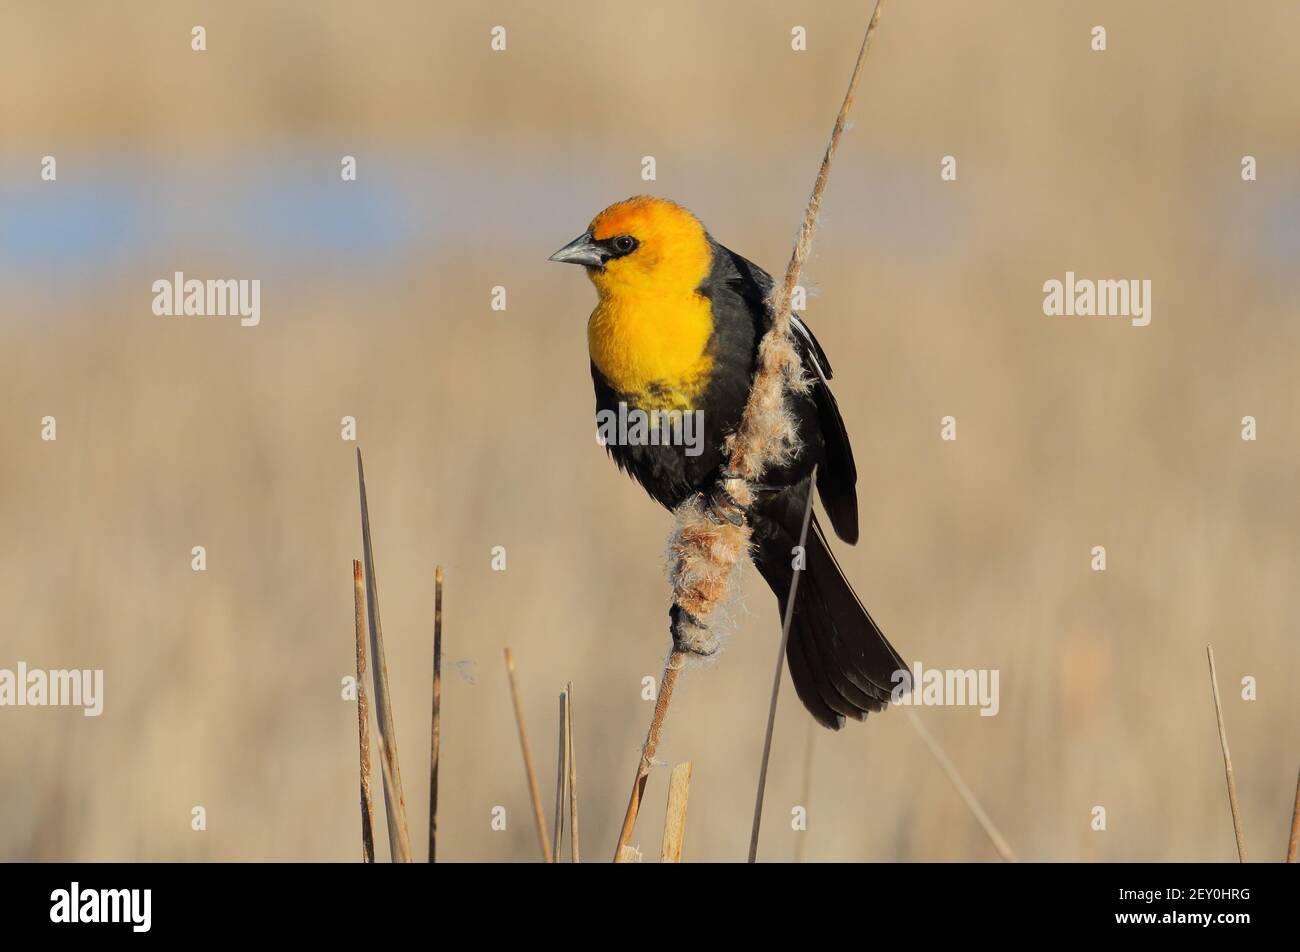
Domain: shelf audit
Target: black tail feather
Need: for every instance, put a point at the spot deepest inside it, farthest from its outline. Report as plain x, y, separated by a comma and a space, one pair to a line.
840, 662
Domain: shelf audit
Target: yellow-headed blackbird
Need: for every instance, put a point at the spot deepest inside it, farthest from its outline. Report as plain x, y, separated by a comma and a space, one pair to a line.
677, 327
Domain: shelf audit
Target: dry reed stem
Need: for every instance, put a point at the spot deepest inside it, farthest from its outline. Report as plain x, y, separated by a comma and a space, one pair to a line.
679, 791
672, 666
386, 771
1237, 829
803, 244
561, 778
628, 854
363, 717
435, 735
1294, 843
534, 791
573, 779
399, 841
750, 452
985, 821
776, 677
704, 557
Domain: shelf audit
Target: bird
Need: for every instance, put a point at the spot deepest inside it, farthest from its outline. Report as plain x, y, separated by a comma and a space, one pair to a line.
676, 328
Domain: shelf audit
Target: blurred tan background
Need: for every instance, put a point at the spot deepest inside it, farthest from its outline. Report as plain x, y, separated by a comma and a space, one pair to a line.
223, 687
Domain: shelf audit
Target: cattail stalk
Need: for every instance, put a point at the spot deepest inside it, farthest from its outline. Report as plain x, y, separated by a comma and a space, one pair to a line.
667, 682
703, 553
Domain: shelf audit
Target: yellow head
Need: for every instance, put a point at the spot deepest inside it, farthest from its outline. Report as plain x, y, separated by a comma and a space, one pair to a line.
650, 331
642, 246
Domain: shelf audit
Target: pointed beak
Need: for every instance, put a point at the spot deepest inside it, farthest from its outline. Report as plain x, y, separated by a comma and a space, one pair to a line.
582, 250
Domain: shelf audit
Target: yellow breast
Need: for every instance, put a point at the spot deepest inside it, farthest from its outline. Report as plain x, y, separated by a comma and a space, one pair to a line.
653, 349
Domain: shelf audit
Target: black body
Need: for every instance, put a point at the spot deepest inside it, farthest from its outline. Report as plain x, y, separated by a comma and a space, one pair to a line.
840, 662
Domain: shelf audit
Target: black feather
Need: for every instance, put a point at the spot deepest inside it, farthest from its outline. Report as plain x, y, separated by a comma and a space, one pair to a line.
840, 662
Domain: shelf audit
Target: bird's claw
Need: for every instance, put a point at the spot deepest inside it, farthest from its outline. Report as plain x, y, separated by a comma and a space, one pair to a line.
723, 506
692, 641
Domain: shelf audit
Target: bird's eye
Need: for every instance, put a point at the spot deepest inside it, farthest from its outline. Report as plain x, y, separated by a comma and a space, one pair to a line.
624, 244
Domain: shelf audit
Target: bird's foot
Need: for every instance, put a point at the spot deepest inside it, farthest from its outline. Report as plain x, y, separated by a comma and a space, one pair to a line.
722, 507
690, 634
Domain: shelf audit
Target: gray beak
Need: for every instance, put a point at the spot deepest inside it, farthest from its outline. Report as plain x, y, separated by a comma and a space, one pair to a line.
582, 250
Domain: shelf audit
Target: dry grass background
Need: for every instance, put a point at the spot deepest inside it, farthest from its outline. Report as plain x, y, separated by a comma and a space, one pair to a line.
222, 688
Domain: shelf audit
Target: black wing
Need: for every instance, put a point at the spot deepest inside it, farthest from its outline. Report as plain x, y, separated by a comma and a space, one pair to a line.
837, 474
